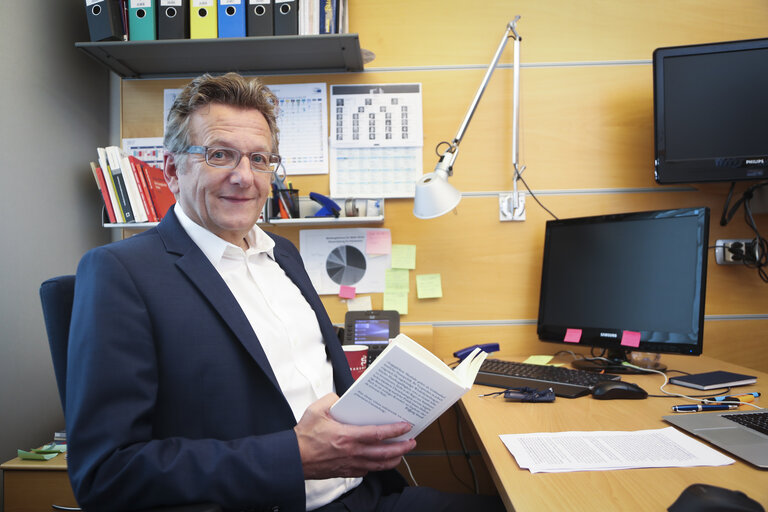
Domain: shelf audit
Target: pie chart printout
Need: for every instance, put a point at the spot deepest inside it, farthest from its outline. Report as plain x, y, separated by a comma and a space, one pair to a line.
345, 265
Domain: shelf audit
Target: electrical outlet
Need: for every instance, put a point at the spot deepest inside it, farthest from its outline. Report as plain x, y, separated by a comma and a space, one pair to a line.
723, 256
507, 210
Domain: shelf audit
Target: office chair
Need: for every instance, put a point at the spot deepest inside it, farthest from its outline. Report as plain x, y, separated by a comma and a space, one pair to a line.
57, 296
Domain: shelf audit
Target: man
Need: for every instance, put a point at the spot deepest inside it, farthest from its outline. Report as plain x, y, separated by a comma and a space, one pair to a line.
202, 364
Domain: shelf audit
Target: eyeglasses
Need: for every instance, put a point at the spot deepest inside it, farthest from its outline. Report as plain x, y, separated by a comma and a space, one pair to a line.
229, 158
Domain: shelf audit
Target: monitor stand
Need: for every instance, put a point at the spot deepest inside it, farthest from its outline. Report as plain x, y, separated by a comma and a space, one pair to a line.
614, 364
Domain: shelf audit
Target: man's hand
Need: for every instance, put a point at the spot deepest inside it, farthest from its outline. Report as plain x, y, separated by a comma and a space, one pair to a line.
332, 449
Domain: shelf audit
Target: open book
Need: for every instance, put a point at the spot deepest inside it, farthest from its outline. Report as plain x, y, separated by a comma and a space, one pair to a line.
406, 382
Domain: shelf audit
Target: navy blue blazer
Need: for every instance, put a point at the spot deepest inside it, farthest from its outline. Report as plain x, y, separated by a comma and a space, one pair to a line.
170, 397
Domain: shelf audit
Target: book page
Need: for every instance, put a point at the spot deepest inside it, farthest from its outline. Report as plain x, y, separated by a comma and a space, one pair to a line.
397, 387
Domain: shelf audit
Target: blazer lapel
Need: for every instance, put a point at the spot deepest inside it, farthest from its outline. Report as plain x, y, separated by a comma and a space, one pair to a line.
204, 276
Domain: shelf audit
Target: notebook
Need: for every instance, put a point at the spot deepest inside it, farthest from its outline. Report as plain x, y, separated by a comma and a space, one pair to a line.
730, 435
713, 380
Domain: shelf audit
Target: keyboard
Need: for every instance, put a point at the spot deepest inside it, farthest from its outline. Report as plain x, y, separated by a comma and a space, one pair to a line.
756, 421
565, 382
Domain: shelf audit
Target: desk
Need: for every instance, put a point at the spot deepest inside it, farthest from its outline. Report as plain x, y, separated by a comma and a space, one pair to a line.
651, 489
35, 485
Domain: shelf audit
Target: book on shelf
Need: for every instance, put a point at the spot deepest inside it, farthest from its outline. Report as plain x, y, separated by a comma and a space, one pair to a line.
161, 196
713, 380
135, 166
117, 159
406, 382
102, 186
117, 195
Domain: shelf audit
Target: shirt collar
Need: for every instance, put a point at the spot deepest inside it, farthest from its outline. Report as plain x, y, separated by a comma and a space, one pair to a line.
214, 247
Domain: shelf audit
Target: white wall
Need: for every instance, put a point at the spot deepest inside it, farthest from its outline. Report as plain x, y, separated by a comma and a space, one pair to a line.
54, 112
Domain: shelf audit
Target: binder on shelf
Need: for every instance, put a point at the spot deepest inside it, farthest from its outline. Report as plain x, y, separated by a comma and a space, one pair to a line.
141, 20
124, 17
202, 19
286, 17
231, 18
258, 18
105, 22
329, 16
173, 19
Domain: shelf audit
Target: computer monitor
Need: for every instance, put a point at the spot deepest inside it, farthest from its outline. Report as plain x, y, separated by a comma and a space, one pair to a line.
625, 282
710, 107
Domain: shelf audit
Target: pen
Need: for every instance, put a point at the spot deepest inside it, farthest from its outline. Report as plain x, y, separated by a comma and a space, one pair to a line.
705, 407
742, 397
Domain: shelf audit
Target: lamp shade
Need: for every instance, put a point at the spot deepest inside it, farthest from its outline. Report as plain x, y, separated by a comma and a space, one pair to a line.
434, 195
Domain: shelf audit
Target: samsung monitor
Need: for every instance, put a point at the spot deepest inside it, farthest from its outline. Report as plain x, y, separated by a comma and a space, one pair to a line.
625, 282
710, 111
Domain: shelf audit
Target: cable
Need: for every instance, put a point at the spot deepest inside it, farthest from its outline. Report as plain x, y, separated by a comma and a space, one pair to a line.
464, 449
408, 467
448, 455
520, 177
755, 253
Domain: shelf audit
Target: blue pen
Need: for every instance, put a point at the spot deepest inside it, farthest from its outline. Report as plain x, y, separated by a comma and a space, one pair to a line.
704, 407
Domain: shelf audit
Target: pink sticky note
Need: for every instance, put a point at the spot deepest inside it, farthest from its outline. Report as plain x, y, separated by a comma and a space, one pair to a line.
630, 339
347, 292
572, 335
378, 241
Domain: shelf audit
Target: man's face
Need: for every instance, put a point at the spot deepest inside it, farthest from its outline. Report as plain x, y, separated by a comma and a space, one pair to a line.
227, 202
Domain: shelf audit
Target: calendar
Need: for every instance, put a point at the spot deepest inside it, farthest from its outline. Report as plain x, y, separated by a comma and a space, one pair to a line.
376, 140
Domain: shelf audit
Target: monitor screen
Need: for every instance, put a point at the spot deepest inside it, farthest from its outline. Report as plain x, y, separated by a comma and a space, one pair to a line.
629, 281
710, 106
371, 332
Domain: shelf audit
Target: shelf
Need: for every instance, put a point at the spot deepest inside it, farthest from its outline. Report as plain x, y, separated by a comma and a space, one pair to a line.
307, 208
328, 53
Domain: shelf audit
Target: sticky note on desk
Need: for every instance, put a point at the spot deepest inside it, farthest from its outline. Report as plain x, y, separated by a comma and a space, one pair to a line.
403, 256
429, 286
538, 360
25, 455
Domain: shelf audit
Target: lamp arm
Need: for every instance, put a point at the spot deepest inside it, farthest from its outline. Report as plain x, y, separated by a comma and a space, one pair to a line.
454, 146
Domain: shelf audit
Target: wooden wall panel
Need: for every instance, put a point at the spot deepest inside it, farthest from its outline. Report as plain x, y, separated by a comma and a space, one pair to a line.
452, 32
587, 124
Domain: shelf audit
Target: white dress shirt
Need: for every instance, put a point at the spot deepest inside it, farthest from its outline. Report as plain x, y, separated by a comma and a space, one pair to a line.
283, 321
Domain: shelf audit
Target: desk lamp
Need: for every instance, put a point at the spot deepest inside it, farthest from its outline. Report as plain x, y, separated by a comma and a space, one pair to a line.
434, 195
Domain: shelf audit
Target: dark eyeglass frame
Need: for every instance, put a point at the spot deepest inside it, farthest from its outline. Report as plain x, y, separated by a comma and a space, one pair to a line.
272, 166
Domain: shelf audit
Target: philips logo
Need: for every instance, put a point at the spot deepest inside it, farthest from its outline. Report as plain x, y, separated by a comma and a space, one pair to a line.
608, 335
755, 161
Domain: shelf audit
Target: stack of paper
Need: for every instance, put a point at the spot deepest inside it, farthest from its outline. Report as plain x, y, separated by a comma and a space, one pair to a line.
599, 451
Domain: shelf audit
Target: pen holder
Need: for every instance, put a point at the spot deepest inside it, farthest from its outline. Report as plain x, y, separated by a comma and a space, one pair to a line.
285, 204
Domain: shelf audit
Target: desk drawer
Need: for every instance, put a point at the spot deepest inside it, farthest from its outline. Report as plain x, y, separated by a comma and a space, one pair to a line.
36, 490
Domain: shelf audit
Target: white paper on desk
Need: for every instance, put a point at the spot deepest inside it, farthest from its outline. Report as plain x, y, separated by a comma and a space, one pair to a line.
605, 450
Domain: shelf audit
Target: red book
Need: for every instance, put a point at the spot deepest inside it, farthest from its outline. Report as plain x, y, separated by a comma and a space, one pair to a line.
162, 197
137, 166
104, 192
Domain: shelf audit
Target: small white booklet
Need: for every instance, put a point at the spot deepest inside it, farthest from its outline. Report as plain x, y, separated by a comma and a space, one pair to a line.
406, 382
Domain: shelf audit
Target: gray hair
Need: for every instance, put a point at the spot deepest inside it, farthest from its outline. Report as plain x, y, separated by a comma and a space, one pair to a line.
229, 89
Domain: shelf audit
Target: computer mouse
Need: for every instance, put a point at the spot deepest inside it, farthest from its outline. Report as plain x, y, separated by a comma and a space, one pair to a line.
710, 498
611, 389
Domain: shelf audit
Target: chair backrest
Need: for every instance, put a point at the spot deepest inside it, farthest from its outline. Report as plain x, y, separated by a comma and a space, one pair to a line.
57, 295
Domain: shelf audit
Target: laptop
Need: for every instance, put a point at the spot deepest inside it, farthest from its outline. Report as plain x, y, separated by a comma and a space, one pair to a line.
740, 433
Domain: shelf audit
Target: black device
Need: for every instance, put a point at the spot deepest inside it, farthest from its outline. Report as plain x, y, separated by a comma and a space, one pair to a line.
613, 389
623, 282
710, 110
372, 328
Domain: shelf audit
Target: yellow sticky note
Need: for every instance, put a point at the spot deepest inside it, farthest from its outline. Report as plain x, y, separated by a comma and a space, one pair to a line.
429, 286
539, 359
397, 301
396, 280
403, 256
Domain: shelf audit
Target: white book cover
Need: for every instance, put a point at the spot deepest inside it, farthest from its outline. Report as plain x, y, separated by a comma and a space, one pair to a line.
116, 155
104, 165
406, 382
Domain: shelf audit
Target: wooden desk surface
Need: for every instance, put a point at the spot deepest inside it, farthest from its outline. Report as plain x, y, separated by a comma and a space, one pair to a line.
652, 489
